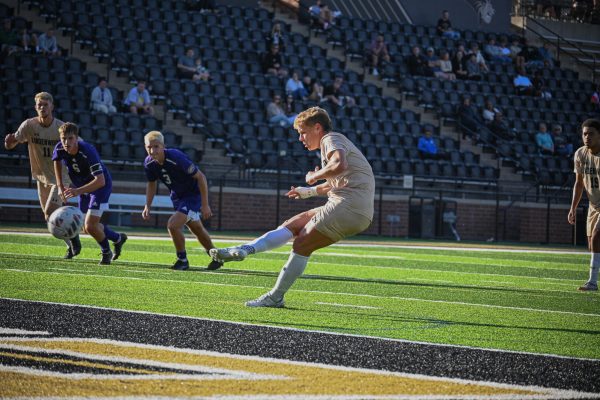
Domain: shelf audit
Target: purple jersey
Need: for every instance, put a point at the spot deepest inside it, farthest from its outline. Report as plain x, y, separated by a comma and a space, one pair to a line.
84, 165
177, 173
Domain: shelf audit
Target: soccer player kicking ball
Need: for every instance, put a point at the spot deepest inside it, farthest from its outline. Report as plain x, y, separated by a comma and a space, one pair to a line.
91, 181
41, 135
587, 176
350, 187
189, 194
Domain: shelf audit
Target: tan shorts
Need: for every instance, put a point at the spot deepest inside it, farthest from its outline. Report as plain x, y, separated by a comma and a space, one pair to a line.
336, 221
49, 198
592, 221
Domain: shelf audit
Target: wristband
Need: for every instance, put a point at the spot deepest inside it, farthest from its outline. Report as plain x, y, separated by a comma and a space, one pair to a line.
306, 192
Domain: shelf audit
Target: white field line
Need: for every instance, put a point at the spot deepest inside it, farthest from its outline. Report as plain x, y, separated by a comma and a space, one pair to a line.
371, 296
284, 328
354, 245
348, 305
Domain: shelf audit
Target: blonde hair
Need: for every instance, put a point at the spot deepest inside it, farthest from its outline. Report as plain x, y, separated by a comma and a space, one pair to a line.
68, 128
44, 96
154, 135
313, 116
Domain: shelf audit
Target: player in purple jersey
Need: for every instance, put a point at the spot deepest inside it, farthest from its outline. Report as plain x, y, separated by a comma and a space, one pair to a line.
91, 181
189, 194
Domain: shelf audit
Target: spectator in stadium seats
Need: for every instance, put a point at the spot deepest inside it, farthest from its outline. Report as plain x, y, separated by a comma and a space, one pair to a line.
9, 39
186, 65
295, 87
201, 71
47, 45
337, 94
290, 108
444, 27
545, 53
272, 62
378, 52
585, 161
276, 113
445, 65
326, 17
522, 83
345, 176
473, 68
496, 53
91, 183
478, 57
562, 144
101, 99
458, 65
499, 126
316, 94
467, 115
427, 146
417, 64
276, 37
188, 191
138, 100
489, 112
529, 56
544, 140
595, 99
515, 48
539, 86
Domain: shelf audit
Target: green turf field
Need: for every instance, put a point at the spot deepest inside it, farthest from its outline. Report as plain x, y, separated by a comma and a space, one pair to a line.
522, 301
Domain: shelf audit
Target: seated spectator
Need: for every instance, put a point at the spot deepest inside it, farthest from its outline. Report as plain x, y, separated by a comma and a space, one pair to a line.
562, 144
499, 126
316, 93
546, 56
202, 73
289, 107
445, 65
544, 140
468, 117
276, 37
417, 65
295, 87
595, 99
529, 56
428, 148
489, 112
138, 99
444, 27
337, 94
495, 52
522, 83
515, 48
458, 65
9, 39
276, 114
101, 99
539, 86
378, 52
474, 71
478, 57
326, 17
432, 61
272, 62
186, 65
47, 45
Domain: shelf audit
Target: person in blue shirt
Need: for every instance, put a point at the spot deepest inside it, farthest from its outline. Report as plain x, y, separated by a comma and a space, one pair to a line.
189, 194
91, 181
427, 147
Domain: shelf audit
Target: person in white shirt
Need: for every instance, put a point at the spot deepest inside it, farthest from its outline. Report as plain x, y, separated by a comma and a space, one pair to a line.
102, 98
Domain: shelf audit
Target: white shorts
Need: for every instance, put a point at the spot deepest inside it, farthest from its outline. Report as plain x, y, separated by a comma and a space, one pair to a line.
97, 212
592, 221
337, 222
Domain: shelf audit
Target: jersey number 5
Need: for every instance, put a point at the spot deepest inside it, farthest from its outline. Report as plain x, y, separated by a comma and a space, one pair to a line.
594, 182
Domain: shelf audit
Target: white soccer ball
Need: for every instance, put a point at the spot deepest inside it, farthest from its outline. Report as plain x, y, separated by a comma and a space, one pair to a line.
65, 222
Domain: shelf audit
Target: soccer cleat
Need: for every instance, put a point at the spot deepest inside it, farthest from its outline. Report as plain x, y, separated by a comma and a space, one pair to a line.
73, 249
265, 301
106, 258
228, 254
588, 287
214, 265
119, 246
69, 254
181, 265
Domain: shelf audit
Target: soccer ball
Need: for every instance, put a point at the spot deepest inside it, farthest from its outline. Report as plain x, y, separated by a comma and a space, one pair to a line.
66, 222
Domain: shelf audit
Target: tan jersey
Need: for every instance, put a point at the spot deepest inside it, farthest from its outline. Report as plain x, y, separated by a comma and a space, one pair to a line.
588, 165
356, 185
41, 142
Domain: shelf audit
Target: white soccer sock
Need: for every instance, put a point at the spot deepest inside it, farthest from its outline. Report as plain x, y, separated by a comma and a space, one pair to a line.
594, 267
293, 268
270, 240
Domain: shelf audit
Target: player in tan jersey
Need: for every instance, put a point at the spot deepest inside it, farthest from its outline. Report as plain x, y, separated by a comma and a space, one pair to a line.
41, 134
350, 187
587, 176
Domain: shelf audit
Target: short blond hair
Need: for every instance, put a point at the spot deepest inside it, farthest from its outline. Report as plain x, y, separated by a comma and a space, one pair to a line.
44, 96
312, 116
154, 135
68, 128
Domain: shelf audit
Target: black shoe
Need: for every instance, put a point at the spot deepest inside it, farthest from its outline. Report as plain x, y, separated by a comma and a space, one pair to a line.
106, 258
119, 246
181, 265
76, 246
69, 254
214, 265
